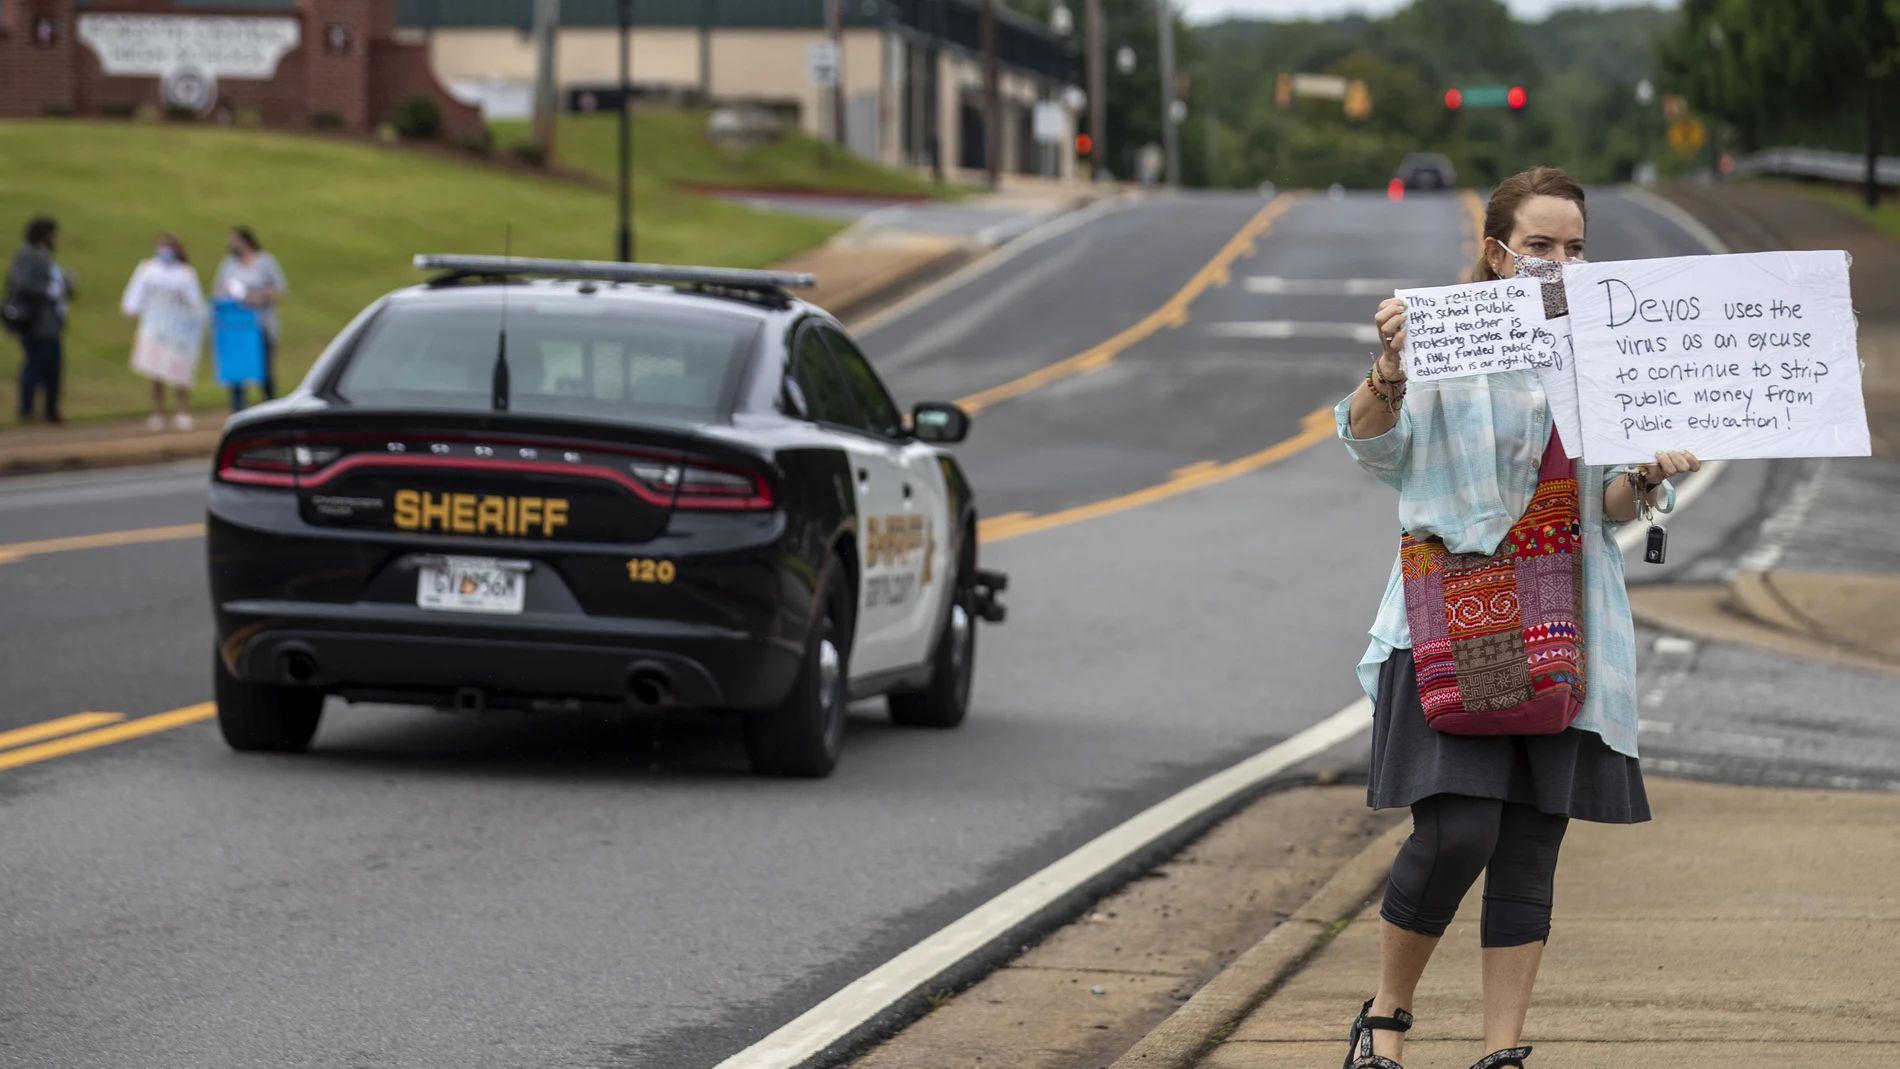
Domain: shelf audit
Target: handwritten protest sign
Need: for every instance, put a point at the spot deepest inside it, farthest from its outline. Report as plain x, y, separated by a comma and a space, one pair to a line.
1556, 364
1748, 355
1473, 329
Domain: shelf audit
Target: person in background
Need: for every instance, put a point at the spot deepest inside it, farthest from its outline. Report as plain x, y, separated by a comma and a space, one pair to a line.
38, 289
168, 301
249, 274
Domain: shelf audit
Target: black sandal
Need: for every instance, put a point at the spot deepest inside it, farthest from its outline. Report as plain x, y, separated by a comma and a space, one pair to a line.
1359, 1050
1513, 1056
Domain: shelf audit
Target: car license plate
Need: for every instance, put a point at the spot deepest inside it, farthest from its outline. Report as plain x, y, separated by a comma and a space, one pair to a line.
472, 584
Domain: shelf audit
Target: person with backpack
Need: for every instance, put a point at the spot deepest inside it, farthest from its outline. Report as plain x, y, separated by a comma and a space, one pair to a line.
34, 309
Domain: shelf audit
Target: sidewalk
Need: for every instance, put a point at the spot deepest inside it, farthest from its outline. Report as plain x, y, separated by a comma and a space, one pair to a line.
1742, 928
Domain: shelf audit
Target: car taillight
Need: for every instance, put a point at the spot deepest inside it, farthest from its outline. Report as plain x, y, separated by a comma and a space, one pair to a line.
701, 486
272, 462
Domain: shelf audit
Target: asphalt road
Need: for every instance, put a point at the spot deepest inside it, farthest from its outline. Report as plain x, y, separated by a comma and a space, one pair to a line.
426, 890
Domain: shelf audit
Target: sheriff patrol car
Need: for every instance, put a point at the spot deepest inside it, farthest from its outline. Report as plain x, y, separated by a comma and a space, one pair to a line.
574, 486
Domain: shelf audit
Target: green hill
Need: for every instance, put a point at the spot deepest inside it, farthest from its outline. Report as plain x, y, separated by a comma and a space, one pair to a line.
669, 145
343, 217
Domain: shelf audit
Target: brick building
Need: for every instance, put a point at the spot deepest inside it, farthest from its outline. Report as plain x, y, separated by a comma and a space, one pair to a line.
295, 63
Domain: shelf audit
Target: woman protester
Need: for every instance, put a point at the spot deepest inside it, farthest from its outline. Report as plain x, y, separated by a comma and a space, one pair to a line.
1503, 658
167, 300
251, 276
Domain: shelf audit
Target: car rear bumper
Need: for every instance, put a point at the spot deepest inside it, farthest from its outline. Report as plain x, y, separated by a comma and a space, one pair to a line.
407, 654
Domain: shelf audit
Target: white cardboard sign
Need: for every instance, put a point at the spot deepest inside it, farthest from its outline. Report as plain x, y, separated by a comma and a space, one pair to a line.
1557, 370
1730, 357
1474, 329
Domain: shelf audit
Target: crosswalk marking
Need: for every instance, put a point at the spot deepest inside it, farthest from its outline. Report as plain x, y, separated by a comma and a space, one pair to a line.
1288, 328
1327, 287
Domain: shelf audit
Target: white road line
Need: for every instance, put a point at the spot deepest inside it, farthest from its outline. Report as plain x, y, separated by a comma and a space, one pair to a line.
864, 998
1671, 211
1002, 254
1287, 328
1784, 524
1326, 287
858, 1002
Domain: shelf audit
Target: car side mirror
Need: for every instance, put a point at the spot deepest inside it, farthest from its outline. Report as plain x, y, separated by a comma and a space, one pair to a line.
939, 421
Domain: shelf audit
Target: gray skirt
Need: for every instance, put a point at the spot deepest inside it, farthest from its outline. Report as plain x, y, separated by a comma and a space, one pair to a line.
1573, 774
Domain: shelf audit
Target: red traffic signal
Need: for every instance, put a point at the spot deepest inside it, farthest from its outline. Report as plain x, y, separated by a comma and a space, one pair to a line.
1516, 98
1084, 144
1395, 190
1454, 99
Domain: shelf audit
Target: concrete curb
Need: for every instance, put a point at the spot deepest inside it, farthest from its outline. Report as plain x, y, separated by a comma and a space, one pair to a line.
1184, 1038
143, 448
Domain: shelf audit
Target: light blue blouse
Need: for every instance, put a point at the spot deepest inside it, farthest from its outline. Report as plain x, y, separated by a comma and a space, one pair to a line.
1464, 458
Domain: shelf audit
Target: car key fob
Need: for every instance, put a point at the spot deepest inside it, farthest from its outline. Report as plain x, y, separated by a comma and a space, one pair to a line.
1658, 546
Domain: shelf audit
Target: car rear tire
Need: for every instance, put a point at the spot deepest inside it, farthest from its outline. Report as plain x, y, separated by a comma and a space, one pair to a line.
805, 734
953, 665
261, 717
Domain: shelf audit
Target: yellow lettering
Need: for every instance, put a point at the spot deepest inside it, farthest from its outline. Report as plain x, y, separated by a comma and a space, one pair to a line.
553, 515
666, 571
530, 513
434, 513
511, 527
407, 515
488, 515
647, 570
463, 514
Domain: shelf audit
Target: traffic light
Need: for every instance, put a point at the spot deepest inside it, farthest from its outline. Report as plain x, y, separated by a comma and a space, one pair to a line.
1084, 144
1454, 99
1516, 98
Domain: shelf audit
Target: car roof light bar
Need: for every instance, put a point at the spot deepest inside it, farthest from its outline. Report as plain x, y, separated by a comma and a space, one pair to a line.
462, 265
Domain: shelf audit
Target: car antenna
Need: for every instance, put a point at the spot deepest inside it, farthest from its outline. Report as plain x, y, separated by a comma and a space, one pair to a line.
499, 393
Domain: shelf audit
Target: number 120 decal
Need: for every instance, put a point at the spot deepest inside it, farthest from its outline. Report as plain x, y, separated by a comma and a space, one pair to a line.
648, 570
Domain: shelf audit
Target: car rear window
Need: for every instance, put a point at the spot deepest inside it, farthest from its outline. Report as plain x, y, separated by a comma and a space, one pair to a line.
569, 356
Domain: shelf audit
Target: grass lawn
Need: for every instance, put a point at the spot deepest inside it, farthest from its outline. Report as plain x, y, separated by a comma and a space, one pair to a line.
343, 218
670, 145
1885, 218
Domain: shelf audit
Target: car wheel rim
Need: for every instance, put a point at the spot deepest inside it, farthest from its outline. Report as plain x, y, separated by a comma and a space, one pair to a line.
831, 690
962, 631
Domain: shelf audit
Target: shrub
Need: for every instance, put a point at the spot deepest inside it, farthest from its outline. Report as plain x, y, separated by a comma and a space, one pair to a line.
119, 109
532, 153
419, 118
56, 111
178, 114
328, 120
475, 144
249, 117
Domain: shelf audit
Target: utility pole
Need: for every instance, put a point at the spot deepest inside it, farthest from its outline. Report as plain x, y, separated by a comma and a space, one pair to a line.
834, 29
705, 52
547, 106
992, 97
1098, 92
625, 243
1875, 41
1170, 133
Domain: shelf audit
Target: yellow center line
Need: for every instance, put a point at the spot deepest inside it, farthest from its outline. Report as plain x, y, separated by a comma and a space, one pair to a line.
1474, 206
48, 729
1174, 313
1315, 427
20, 550
130, 729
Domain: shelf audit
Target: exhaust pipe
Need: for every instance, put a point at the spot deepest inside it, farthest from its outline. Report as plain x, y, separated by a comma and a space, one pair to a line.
470, 700
649, 685
297, 665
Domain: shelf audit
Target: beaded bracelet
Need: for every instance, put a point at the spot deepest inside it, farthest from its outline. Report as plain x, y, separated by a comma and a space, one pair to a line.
1393, 401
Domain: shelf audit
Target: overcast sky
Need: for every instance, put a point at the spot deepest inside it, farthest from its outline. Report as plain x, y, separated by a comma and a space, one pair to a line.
1215, 10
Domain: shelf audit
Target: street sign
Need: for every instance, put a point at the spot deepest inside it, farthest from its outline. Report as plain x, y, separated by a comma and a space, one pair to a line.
1686, 136
821, 64
1324, 86
1358, 100
1048, 122
1484, 96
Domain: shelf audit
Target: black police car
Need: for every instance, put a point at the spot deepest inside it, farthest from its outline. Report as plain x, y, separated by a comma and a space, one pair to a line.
573, 486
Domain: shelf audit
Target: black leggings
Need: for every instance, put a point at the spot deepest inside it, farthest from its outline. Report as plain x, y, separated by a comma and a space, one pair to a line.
1454, 837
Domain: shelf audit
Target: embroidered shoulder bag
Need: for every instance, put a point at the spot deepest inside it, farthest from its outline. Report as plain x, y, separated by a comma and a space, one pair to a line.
1497, 639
